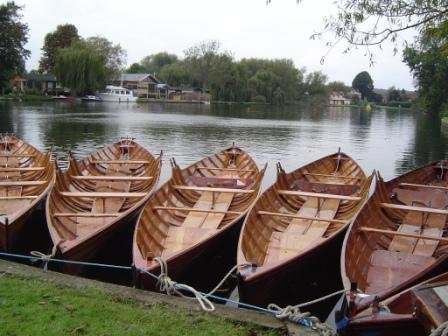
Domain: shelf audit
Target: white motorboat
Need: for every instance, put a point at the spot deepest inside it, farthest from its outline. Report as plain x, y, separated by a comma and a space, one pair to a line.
91, 98
117, 94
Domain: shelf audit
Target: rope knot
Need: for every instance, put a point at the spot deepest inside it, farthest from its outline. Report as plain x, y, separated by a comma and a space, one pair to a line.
44, 257
171, 287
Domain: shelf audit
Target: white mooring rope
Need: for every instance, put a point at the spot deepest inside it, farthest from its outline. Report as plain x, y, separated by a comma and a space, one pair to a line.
171, 287
44, 257
441, 330
293, 313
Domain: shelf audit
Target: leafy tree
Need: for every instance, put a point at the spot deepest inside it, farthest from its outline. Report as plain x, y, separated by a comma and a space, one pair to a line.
136, 68
13, 37
201, 60
394, 94
80, 67
427, 59
176, 74
263, 83
62, 37
155, 62
363, 83
337, 86
372, 22
315, 83
114, 55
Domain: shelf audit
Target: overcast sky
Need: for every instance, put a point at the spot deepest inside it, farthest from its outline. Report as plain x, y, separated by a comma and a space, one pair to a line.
247, 28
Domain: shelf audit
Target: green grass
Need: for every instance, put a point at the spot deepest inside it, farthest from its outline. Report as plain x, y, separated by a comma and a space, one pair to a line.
34, 307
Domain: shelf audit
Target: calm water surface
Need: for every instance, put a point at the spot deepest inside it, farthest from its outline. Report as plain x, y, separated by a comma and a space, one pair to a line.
390, 141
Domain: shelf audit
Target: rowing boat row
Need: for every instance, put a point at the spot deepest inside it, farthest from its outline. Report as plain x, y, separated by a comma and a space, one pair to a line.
395, 239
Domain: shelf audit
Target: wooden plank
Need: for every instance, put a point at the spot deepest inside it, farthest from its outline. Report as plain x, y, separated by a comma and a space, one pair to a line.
20, 169
16, 155
434, 227
226, 169
196, 218
301, 217
328, 209
413, 208
403, 234
102, 194
336, 176
21, 183
318, 195
84, 214
222, 202
198, 210
220, 190
125, 162
111, 178
17, 197
423, 186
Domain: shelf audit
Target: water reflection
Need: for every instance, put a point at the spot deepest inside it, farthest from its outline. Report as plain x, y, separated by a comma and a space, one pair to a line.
391, 141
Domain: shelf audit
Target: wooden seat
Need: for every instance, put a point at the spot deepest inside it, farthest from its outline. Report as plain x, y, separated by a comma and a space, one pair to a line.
20, 169
209, 189
413, 208
111, 178
318, 195
426, 186
102, 194
333, 176
389, 269
21, 183
17, 155
328, 188
167, 208
226, 169
431, 198
85, 214
202, 181
120, 161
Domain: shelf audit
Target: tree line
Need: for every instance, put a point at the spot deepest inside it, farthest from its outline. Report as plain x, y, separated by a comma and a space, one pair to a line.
85, 64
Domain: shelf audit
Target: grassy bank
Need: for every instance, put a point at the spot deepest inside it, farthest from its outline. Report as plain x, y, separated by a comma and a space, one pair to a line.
35, 307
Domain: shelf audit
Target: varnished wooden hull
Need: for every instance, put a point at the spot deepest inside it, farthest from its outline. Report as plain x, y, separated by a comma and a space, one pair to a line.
275, 274
99, 197
415, 311
386, 262
26, 177
183, 237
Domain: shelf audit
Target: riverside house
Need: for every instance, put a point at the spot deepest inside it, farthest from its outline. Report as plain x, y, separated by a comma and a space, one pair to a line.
143, 85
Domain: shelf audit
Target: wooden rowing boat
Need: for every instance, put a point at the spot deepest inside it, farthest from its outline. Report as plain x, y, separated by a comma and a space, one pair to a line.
26, 176
98, 195
398, 239
415, 311
200, 207
296, 223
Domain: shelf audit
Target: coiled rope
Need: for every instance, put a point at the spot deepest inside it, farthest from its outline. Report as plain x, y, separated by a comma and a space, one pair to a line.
441, 330
294, 314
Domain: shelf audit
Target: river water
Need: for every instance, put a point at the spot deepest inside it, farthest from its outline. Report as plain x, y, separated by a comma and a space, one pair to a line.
391, 141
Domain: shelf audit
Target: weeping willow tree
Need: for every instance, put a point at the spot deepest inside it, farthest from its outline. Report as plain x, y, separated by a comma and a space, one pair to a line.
80, 67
